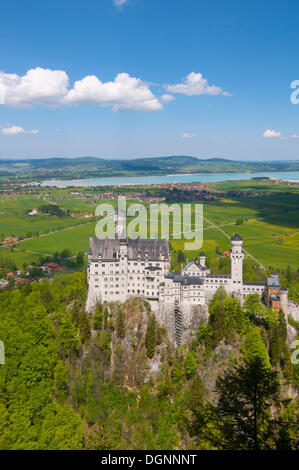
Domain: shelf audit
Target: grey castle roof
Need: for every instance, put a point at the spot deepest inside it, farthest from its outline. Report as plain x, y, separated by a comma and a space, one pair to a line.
202, 253
108, 247
273, 281
236, 238
194, 261
184, 280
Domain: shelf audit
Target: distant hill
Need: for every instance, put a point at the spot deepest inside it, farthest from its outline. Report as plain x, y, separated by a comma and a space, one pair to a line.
87, 167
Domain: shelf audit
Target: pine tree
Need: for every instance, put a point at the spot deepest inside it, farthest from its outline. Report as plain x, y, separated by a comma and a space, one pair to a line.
181, 256
120, 324
60, 380
245, 396
98, 318
68, 336
150, 337
190, 365
289, 276
178, 371
242, 418
84, 326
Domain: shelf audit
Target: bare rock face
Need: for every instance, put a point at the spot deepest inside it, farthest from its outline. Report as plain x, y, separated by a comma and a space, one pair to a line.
293, 311
292, 333
181, 320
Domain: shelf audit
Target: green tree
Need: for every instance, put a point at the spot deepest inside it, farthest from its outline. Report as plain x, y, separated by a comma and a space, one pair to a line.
68, 336
80, 258
255, 347
98, 318
60, 380
150, 337
180, 257
243, 417
84, 326
253, 304
61, 429
120, 324
178, 370
190, 365
217, 317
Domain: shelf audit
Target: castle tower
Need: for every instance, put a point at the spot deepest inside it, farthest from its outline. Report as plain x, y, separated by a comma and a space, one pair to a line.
120, 219
237, 256
202, 259
284, 301
120, 226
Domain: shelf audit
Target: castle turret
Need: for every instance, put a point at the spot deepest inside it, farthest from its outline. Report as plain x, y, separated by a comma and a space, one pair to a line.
237, 256
120, 219
202, 259
120, 226
284, 301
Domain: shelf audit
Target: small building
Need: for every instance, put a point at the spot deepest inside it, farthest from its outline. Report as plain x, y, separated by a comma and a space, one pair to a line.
3, 283
33, 211
275, 296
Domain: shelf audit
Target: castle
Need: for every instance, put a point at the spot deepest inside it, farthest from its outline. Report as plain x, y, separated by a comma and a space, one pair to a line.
119, 268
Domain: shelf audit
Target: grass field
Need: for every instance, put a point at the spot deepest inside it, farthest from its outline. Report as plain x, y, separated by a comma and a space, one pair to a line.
270, 228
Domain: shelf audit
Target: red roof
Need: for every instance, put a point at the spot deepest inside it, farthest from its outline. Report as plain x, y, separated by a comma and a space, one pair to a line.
52, 265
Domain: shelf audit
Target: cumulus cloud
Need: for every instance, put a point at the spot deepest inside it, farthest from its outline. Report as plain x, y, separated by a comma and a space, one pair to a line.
14, 130
271, 133
166, 98
37, 86
51, 88
294, 136
195, 84
187, 135
124, 93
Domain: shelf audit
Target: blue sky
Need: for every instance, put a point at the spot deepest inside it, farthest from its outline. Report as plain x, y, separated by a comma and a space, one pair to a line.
124, 79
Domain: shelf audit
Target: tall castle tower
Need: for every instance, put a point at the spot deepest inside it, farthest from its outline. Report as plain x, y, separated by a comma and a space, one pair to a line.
237, 257
120, 219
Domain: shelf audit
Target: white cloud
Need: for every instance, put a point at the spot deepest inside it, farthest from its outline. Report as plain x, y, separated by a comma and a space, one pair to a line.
37, 86
294, 136
187, 135
119, 3
51, 88
166, 98
195, 84
124, 93
14, 130
271, 133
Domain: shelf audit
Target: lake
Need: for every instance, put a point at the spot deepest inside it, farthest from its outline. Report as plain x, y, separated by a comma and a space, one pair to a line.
203, 178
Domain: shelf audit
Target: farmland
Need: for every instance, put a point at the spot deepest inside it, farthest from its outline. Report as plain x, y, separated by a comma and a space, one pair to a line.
269, 225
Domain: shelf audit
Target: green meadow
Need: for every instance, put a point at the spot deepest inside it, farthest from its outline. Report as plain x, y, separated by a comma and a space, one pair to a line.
269, 226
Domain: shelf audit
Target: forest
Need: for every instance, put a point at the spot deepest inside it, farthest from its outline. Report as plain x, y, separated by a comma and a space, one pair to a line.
112, 380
